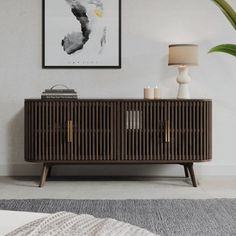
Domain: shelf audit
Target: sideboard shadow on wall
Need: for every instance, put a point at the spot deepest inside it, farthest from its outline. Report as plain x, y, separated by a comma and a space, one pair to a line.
118, 131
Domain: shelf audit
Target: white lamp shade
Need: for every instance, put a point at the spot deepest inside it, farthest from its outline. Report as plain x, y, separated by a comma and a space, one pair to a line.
183, 54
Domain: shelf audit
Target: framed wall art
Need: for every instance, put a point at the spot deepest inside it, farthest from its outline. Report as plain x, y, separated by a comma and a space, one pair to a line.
81, 33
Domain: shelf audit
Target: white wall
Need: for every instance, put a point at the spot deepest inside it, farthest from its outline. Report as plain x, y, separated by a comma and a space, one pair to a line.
148, 26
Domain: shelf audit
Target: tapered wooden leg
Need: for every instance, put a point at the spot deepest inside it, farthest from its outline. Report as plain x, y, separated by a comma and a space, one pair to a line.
43, 175
186, 171
191, 171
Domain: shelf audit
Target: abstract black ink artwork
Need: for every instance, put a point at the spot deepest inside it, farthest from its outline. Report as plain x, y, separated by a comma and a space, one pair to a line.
81, 34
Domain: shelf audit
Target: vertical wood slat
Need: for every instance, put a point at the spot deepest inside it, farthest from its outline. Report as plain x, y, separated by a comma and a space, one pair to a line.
162, 130
46, 132
184, 142
65, 149
187, 130
39, 128
201, 130
49, 131
169, 119
76, 131
191, 130
140, 130
93, 131
128, 130
35, 131
72, 130
100, 129
197, 129
183, 129
144, 131
82, 138
89, 134
207, 129
30, 139
61, 131
86, 133
204, 129
210, 128
28, 132
155, 122
108, 133
53, 131
97, 131
151, 131
158, 126
194, 130
104, 131
122, 138
114, 141
148, 130
164, 120
132, 130
206, 136
172, 131
137, 131
57, 144
125, 130
118, 127
42, 131
67, 144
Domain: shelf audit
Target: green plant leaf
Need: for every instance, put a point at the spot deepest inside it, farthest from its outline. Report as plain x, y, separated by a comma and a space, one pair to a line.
228, 11
225, 48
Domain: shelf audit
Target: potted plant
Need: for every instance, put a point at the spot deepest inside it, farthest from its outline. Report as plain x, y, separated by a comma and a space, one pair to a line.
230, 14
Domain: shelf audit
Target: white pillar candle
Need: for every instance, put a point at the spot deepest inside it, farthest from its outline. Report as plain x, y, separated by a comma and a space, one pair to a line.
157, 93
148, 93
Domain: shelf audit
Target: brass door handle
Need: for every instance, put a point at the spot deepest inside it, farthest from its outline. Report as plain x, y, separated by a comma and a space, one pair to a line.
167, 131
69, 131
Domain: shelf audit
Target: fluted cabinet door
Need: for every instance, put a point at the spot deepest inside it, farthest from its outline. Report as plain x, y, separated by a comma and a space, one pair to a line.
165, 131
46, 131
95, 131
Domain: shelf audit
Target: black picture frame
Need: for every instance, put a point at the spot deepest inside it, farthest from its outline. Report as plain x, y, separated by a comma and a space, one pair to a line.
44, 66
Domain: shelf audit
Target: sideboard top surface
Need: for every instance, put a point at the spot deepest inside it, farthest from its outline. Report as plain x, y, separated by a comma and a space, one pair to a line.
115, 99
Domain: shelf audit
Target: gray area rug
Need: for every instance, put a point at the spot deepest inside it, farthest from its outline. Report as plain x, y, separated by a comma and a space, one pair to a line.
164, 217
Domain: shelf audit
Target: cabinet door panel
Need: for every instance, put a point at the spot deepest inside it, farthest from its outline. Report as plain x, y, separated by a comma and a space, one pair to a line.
166, 131
46, 131
95, 131
142, 131
190, 131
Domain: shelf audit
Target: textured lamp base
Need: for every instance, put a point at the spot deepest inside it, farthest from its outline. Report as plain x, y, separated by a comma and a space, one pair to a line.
183, 79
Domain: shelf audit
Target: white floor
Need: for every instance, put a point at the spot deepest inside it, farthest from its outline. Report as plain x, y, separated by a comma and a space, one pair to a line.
159, 188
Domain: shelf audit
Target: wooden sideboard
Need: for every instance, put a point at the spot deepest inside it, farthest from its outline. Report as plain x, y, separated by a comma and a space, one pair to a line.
117, 131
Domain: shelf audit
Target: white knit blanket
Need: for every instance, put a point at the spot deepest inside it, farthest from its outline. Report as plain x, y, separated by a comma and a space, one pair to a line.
69, 224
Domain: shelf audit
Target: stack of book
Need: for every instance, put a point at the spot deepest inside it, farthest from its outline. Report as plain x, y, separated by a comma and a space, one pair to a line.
59, 94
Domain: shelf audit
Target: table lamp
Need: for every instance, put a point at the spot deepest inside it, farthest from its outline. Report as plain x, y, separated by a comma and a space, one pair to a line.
183, 55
